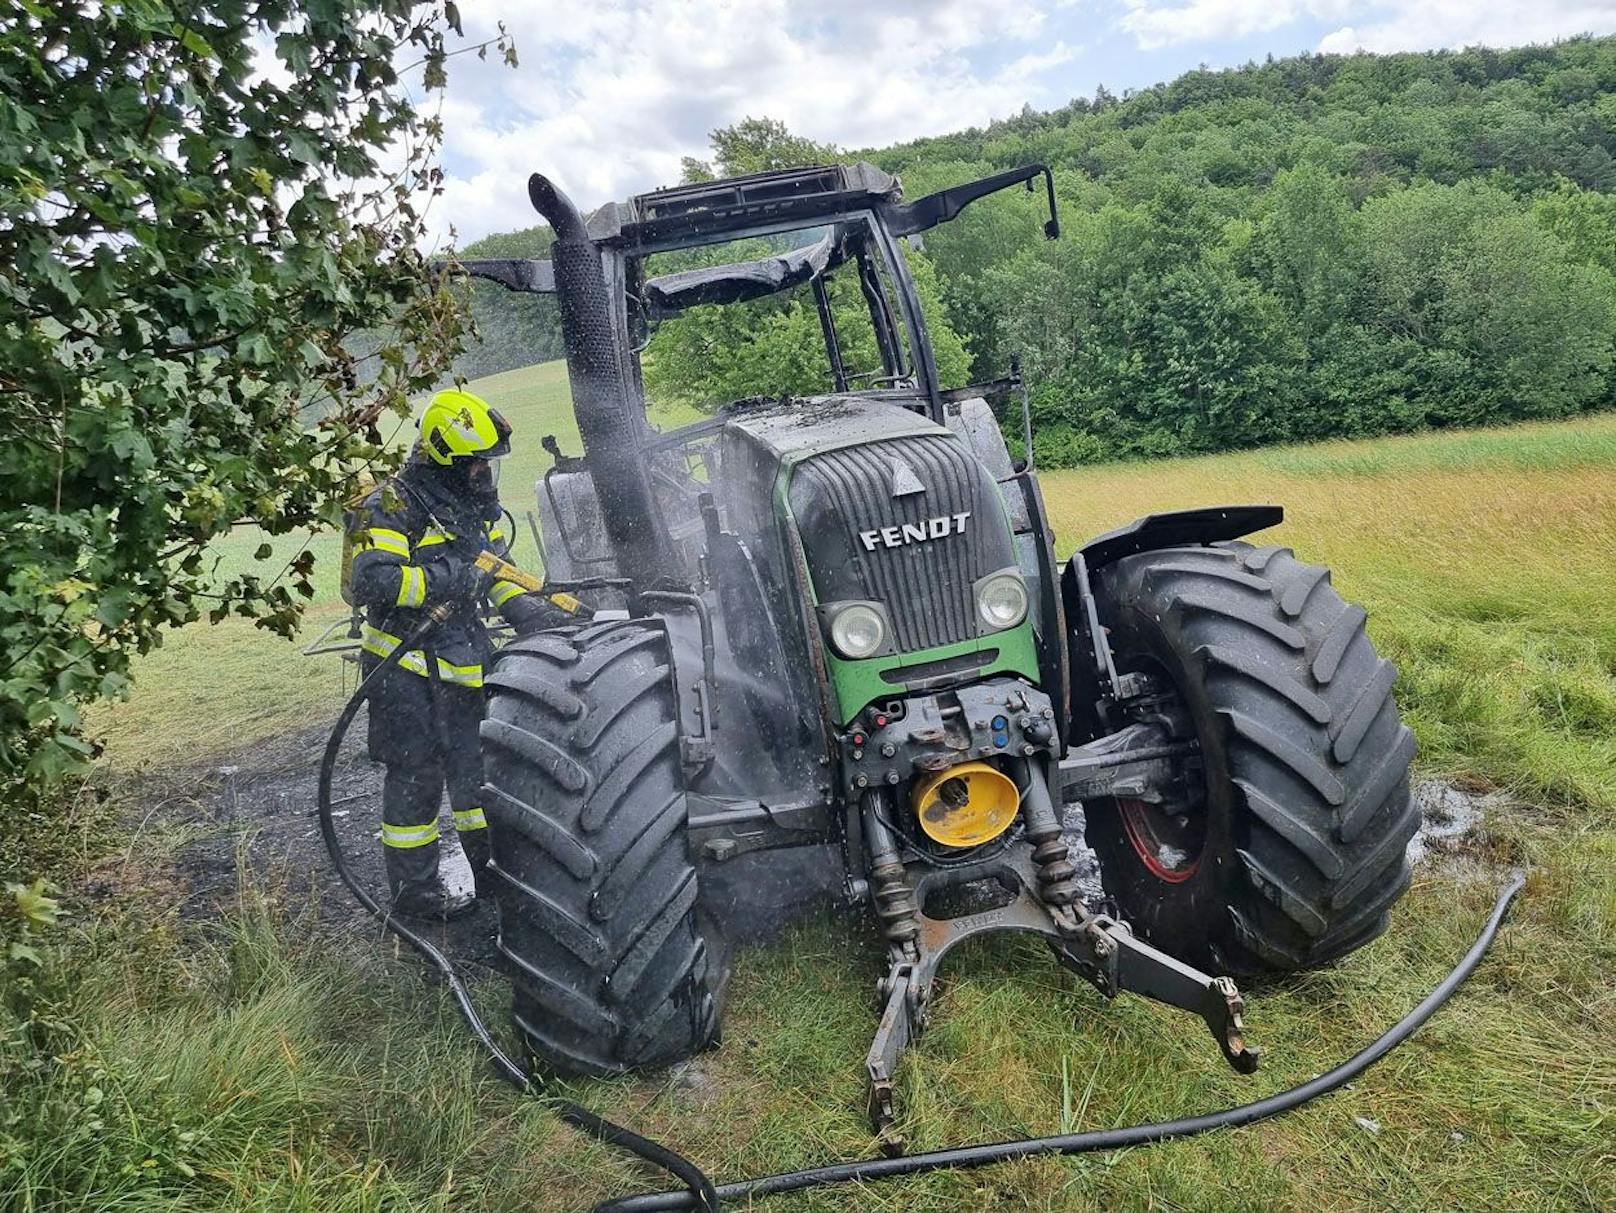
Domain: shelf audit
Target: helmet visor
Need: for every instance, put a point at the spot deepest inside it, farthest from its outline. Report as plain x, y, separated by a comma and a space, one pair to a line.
502, 443
482, 475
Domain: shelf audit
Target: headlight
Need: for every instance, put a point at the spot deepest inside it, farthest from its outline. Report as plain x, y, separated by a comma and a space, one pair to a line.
858, 631
1001, 600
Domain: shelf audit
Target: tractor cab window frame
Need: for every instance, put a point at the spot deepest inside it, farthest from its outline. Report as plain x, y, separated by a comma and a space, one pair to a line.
896, 365
902, 342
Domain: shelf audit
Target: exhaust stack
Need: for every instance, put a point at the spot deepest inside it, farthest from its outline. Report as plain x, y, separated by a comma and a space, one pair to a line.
611, 417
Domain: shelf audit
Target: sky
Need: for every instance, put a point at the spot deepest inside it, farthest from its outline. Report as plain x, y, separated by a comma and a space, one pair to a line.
611, 94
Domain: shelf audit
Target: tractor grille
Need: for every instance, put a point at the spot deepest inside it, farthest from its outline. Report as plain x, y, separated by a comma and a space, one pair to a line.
926, 586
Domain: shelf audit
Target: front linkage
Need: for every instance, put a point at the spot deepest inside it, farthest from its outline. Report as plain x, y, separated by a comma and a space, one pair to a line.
1034, 867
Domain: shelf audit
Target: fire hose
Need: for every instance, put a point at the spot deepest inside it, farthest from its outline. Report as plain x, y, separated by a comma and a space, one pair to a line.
699, 1192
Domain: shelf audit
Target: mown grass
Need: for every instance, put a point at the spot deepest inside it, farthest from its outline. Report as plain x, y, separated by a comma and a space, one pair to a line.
330, 1076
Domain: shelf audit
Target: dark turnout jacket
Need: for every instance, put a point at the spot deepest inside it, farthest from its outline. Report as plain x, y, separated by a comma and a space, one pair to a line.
410, 551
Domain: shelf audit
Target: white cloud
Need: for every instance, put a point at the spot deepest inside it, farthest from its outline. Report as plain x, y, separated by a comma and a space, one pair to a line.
1427, 24
1376, 25
1039, 62
610, 96
1154, 24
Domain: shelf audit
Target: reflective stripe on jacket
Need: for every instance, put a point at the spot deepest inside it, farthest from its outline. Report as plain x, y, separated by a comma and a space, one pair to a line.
374, 640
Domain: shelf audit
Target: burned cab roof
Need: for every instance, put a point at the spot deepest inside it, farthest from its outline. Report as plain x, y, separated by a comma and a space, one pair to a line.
737, 203
672, 293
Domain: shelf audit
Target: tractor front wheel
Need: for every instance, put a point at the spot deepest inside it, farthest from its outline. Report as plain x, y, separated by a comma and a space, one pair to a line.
598, 911
1294, 850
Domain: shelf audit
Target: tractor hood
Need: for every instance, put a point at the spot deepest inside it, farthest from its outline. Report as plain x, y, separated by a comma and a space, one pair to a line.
793, 429
888, 508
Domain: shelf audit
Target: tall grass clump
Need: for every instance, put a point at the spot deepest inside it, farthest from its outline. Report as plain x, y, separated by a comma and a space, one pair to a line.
224, 1068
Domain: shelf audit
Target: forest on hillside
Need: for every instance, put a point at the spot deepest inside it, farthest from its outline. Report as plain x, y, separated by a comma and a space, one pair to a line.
1310, 247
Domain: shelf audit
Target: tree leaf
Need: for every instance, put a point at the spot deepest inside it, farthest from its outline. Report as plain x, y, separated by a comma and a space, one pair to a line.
36, 906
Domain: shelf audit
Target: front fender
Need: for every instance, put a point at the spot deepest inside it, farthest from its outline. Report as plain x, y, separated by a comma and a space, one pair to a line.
1094, 676
1210, 524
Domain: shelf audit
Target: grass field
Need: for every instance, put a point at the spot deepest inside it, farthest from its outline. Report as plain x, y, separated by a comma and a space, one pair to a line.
231, 1066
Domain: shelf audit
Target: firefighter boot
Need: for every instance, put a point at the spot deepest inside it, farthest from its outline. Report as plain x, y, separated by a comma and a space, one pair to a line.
474, 841
410, 844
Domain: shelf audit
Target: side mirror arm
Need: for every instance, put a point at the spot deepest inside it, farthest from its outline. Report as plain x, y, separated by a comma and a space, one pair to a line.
925, 213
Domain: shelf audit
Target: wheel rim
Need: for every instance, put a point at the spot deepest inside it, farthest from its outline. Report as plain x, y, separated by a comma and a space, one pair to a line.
1169, 850
1167, 838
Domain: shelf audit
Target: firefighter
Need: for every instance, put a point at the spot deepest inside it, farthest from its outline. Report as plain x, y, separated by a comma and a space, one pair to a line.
416, 541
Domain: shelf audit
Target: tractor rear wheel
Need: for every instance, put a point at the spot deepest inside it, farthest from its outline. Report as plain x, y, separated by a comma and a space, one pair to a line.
597, 895
1296, 851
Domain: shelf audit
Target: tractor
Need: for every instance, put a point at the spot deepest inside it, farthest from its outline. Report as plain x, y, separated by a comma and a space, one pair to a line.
833, 627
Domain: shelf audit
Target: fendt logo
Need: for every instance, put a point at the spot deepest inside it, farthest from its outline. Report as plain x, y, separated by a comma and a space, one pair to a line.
924, 531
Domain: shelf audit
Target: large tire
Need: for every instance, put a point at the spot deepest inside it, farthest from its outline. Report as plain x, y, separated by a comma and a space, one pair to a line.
1302, 851
597, 895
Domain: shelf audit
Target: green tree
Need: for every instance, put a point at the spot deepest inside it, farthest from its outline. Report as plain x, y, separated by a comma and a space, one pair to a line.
1491, 316
757, 145
1304, 246
1158, 345
1032, 310
754, 145
1584, 222
986, 236
186, 241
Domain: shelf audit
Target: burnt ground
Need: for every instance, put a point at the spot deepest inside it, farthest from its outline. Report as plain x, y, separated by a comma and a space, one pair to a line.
251, 820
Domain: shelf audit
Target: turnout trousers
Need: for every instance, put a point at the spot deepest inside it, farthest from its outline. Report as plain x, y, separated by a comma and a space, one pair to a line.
424, 754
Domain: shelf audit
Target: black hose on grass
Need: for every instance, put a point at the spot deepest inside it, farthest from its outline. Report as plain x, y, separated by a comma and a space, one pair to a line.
700, 1193
1102, 1139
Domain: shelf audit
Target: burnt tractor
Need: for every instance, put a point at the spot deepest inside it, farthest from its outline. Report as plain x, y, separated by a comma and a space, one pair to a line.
835, 625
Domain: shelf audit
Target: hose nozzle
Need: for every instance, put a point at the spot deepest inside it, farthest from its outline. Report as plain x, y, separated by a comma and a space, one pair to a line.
504, 570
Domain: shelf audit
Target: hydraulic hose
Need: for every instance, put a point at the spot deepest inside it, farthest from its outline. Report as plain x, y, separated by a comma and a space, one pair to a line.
699, 1189
1102, 1139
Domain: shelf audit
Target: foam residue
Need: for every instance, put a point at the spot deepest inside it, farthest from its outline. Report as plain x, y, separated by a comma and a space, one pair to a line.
1447, 816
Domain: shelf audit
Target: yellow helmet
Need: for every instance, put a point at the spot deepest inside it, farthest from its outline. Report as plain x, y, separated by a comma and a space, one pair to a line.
461, 425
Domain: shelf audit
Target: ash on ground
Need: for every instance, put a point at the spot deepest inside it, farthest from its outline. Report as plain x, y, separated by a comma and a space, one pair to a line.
253, 822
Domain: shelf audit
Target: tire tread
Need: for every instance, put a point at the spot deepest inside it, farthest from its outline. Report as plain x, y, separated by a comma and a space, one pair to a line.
598, 896
1316, 755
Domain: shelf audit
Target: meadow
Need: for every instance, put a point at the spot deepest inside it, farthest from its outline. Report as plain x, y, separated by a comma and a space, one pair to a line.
224, 1063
